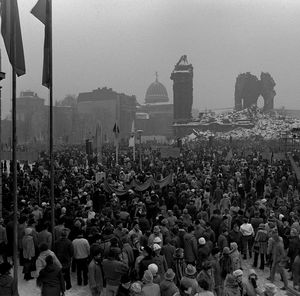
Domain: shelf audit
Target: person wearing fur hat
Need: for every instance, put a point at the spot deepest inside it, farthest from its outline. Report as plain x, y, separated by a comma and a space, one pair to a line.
149, 288
8, 285
188, 283
260, 246
167, 286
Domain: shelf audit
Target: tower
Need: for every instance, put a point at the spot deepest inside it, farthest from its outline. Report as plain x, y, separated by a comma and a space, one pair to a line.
182, 77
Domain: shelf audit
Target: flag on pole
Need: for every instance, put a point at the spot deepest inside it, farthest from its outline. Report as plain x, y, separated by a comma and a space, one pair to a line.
42, 12
116, 130
11, 32
132, 136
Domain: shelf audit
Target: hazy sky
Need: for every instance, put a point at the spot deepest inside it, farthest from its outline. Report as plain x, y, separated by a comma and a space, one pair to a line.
121, 43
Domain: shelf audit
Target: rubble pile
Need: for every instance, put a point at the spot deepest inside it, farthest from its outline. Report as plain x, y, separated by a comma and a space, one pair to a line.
268, 126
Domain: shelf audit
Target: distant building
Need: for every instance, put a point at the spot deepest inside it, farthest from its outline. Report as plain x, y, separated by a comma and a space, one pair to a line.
104, 106
31, 117
155, 117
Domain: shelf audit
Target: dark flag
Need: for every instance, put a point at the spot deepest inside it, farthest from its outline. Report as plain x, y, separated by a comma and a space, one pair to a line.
116, 129
42, 12
11, 32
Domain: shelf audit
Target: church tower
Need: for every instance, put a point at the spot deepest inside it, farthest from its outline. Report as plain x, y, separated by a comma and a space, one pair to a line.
182, 77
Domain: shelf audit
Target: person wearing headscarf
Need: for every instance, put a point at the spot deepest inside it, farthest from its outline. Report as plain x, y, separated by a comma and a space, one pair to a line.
235, 255
50, 279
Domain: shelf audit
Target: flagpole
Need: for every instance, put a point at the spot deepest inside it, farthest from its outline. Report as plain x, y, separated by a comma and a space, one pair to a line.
14, 164
117, 127
51, 120
2, 76
14, 143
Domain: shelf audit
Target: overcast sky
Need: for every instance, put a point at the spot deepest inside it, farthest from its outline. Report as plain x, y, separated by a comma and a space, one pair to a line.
121, 43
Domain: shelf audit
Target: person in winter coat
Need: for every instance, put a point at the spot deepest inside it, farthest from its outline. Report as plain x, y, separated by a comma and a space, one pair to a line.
149, 288
113, 270
168, 251
50, 279
190, 246
294, 245
278, 256
223, 239
154, 269
28, 250
250, 284
235, 255
159, 260
203, 252
235, 236
146, 261
225, 263
260, 246
207, 274
8, 286
188, 283
41, 260
95, 274
64, 250
216, 270
296, 271
167, 286
179, 265
231, 286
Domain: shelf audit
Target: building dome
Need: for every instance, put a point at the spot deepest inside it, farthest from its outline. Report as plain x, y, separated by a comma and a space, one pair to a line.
156, 93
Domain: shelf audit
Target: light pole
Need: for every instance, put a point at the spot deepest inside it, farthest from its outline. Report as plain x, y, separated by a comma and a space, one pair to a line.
139, 132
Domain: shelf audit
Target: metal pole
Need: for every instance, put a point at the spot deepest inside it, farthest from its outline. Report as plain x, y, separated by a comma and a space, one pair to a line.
141, 165
14, 164
2, 76
49, 2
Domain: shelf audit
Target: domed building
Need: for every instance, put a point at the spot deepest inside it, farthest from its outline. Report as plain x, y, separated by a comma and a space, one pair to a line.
156, 93
155, 117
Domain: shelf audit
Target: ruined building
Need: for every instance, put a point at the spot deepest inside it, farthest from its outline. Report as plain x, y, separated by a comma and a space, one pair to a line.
182, 77
248, 88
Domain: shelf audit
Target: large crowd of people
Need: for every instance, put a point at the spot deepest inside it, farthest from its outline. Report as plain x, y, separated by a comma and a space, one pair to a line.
190, 236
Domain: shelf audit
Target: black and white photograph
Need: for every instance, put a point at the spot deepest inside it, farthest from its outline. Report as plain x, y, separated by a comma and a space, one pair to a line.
150, 148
